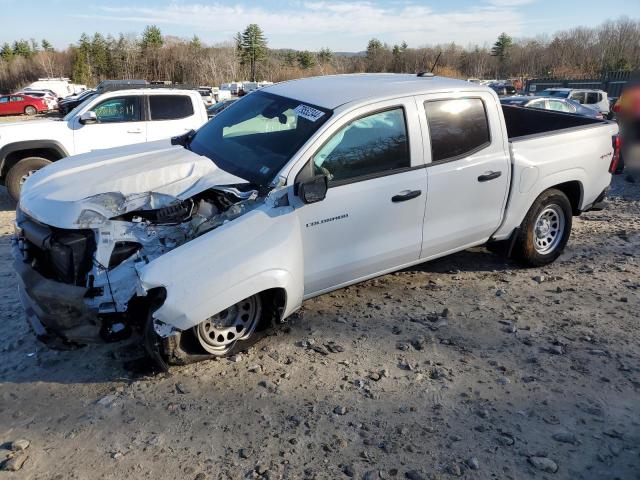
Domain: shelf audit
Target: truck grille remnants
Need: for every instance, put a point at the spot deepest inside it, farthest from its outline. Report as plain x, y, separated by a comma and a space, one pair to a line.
59, 254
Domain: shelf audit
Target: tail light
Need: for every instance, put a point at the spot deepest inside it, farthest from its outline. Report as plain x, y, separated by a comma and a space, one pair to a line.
616, 107
615, 159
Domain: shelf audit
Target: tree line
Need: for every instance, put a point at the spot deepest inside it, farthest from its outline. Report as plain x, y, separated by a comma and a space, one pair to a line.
578, 52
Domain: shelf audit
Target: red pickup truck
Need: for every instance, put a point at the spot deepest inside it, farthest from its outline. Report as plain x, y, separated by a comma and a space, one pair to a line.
18, 104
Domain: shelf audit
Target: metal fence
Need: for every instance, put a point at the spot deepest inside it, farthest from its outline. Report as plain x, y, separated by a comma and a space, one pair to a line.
611, 82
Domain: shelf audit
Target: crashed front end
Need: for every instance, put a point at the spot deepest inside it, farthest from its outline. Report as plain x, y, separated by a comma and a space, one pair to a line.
83, 285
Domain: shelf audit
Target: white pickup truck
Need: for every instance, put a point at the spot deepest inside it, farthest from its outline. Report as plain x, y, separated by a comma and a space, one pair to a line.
111, 119
295, 190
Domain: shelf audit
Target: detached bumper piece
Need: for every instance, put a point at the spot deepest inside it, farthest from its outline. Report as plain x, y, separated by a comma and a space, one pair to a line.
56, 311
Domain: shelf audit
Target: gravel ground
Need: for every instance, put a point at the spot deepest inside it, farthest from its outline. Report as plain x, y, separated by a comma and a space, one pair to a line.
468, 366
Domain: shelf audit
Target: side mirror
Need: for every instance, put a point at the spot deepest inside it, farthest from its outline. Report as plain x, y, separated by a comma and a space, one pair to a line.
88, 117
313, 190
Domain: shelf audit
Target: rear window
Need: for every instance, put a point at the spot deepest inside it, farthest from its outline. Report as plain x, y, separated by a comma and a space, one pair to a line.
593, 97
458, 127
170, 107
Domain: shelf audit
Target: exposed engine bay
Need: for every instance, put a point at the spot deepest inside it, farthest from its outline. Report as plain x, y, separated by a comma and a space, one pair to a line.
98, 263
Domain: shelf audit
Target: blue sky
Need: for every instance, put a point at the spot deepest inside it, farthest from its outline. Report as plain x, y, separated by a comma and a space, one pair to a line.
310, 24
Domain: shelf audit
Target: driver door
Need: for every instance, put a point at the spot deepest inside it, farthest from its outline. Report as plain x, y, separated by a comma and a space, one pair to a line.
371, 219
120, 121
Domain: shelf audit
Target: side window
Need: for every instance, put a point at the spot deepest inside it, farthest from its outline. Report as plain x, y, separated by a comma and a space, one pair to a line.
557, 106
17, 99
4, 99
458, 127
371, 145
592, 97
540, 104
578, 97
119, 109
170, 107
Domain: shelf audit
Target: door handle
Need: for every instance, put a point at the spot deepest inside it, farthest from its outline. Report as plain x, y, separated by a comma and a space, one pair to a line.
135, 130
489, 176
406, 195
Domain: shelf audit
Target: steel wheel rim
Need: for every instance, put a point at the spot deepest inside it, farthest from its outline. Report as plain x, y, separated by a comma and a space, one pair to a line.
24, 177
549, 229
219, 333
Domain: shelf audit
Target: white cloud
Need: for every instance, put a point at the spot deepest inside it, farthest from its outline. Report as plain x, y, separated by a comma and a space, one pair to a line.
340, 26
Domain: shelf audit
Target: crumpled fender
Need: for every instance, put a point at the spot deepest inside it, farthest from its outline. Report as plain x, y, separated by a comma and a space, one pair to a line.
255, 252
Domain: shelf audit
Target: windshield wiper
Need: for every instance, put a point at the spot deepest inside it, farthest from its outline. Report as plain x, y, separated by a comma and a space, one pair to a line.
184, 139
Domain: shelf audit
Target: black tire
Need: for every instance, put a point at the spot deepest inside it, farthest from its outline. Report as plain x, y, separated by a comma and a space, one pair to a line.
20, 171
536, 248
30, 110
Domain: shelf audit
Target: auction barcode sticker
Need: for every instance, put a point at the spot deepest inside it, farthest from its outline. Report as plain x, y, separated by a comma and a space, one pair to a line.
310, 113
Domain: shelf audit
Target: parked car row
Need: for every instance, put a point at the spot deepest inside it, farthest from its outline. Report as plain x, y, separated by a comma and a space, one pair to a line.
550, 103
67, 96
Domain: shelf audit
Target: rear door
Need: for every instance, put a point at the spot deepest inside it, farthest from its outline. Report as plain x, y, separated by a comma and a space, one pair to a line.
120, 121
468, 170
371, 219
169, 115
16, 104
5, 108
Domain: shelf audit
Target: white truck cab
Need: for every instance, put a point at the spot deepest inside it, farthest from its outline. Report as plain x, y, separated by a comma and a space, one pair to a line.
110, 119
296, 190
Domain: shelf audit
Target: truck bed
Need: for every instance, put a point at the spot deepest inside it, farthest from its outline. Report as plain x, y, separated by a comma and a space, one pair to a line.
550, 149
527, 122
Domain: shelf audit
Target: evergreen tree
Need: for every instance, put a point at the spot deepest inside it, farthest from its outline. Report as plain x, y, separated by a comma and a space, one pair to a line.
46, 46
501, 47
6, 53
289, 58
22, 48
195, 43
501, 50
325, 55
306, 60
151, 37
252, 48
100, 56
81, 68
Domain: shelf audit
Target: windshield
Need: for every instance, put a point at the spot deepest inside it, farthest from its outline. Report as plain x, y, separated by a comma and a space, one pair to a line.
554, 93
72, 113
256, 136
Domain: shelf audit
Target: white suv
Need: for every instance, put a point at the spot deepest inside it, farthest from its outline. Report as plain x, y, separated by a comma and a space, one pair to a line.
596, 99
112, 119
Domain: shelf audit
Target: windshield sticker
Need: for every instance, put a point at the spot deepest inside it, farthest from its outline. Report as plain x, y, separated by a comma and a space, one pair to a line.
310, 113
264, 170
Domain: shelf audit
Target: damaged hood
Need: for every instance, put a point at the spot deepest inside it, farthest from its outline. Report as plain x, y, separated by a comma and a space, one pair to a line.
83, 190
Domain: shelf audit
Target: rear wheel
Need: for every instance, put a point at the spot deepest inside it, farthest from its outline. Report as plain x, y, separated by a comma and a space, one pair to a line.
19, 173
228, 331
30, 110
545, 230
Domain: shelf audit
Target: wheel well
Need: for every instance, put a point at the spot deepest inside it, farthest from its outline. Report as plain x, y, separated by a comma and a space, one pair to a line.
183, 347
14, 157
573, 191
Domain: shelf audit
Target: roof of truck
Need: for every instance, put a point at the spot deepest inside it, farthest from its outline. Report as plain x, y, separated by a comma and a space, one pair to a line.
331, 91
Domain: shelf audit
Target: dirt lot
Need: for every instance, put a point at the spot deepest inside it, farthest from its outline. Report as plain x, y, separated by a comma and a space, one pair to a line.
464, 367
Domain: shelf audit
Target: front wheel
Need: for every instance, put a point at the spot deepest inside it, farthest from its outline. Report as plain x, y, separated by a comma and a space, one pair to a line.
228, 332
545, 230
19, 173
